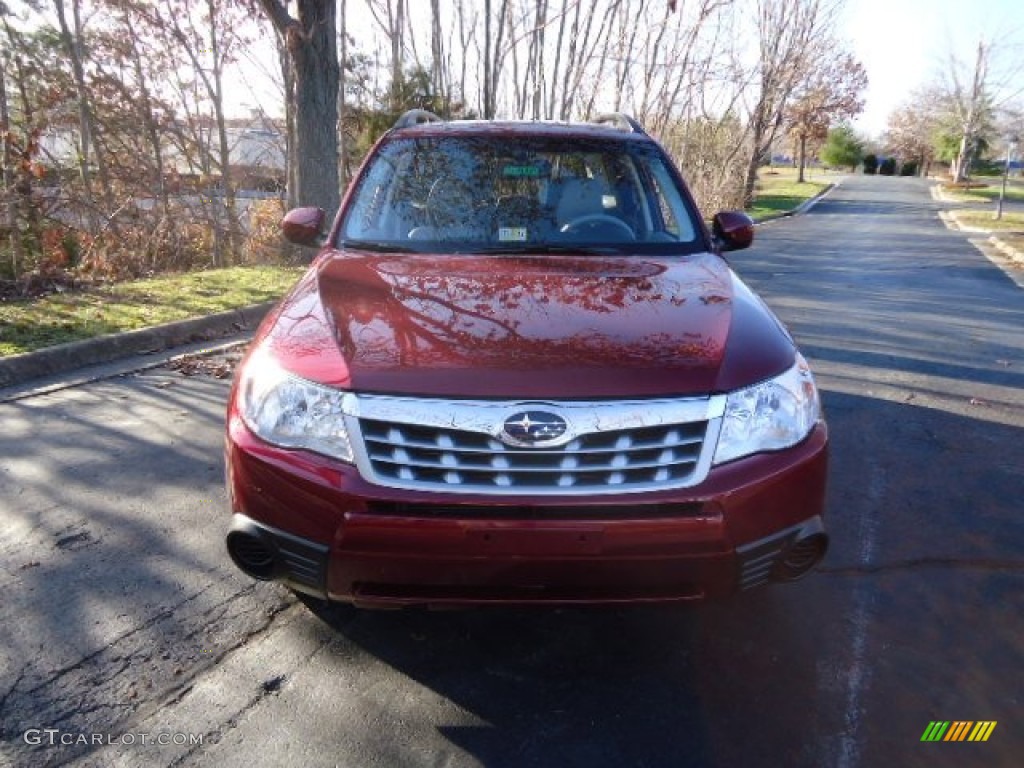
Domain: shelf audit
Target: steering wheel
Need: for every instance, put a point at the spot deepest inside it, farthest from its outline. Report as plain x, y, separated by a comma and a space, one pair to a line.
596, 221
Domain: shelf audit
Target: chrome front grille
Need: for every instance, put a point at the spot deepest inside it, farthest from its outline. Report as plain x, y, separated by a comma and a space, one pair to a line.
610, 447
604, 459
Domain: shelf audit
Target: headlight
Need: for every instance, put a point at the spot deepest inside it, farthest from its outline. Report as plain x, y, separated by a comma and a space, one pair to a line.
291, 412
771, 415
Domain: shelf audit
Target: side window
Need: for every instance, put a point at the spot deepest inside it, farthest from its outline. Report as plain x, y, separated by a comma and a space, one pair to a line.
667, 217
675, 215
368, 216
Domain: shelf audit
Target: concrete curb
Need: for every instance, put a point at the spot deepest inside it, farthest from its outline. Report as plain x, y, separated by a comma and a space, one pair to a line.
62, 358
951, 220
1013, 253
804, 207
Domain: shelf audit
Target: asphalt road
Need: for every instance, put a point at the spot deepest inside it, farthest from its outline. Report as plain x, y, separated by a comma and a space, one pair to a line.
123, 623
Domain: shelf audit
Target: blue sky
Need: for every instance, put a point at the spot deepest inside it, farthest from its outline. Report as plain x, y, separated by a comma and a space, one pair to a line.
903, 43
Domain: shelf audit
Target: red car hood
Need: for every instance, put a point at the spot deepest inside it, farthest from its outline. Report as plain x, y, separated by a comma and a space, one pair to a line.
527, 327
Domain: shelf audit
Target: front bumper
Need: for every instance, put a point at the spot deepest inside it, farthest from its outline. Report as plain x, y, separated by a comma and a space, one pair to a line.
326, 532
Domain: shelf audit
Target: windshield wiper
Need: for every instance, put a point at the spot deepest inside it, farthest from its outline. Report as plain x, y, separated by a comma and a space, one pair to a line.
462, 249
538, 249
387, 246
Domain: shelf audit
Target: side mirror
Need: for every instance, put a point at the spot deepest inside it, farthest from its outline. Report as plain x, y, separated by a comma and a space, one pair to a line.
304, 226
733, 230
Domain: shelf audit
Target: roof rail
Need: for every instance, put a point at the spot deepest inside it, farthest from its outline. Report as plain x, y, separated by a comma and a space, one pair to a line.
619, 121
416, 117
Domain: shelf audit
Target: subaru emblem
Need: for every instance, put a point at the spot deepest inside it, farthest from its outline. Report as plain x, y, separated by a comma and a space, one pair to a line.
533, 428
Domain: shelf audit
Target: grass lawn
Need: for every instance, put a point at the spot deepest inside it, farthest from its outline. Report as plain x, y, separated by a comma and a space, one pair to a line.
982, 219
31, 324
778, 190
989, 194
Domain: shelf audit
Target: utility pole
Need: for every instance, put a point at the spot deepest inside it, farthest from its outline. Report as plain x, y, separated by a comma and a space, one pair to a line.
1011, 145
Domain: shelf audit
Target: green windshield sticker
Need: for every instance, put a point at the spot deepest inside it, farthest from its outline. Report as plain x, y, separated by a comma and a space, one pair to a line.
521, 171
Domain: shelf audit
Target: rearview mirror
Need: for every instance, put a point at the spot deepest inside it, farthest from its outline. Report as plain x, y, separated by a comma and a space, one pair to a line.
733, 230
303, 226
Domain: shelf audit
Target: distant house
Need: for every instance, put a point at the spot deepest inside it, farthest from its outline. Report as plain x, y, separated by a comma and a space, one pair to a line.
258, 154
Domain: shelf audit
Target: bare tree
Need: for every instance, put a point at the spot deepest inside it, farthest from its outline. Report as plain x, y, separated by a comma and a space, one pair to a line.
912, 127
790, 36
21, 144
831, 92
439, 62
390, 16
87, 150
585, 40
466, 27
8, 160
972, 93
147, 110
208, 45
970, 100
343, 169
497, 29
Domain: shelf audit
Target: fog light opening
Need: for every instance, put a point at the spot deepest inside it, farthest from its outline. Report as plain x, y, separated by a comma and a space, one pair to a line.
801, 558
252, 554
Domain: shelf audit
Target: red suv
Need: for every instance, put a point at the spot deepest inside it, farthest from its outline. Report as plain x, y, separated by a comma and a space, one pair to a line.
520, 371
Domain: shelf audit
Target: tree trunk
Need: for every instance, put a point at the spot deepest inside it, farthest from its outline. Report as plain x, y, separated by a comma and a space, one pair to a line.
466, 36
149, 121
553, 78
311, 41
497, 58
803, 159
86, 121
311, 46
763, 130
228, 250
437, 67
962, 163
486, 106
342, 67
397, 46
539, 79
970, 112
291, 157
11, 207
21, 193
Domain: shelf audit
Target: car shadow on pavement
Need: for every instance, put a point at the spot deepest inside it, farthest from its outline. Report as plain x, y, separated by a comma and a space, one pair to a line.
595, 687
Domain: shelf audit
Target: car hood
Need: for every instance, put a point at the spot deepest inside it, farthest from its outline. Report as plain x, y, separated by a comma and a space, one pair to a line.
527, 326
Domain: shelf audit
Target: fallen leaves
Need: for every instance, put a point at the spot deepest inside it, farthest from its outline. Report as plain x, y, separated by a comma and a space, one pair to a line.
219, 366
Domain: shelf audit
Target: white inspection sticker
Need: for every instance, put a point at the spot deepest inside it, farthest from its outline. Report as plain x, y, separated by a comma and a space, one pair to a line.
512, 234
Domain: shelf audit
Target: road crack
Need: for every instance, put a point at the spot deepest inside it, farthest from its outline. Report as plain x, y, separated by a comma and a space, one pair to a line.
14, 687
978, 564
136, 673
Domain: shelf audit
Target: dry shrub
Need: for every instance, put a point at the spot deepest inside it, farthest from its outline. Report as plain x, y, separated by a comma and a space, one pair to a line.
264, 243
59, 251
712, 159
147, 245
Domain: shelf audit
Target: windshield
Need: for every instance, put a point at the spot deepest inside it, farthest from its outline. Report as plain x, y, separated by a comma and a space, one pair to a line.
520, 194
